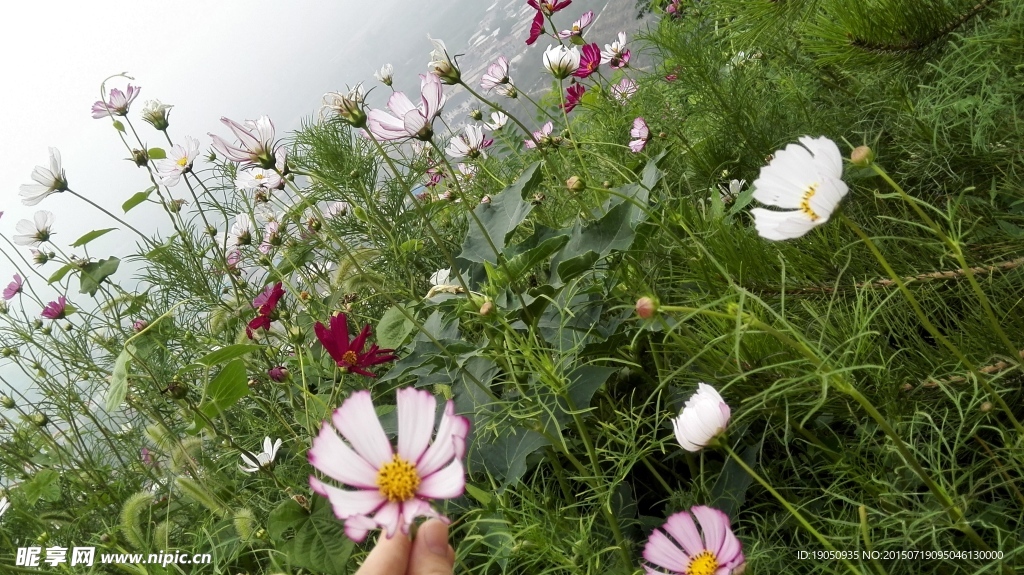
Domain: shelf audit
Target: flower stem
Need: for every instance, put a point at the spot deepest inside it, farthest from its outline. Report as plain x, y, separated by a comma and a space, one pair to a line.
112, 216
529, 133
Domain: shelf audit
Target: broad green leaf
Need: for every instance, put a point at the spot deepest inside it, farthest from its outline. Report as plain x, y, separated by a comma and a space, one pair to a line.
90, 237
93, 273
60, 273
505, 457
230, 385
137, 199
393, 328
519, 265
45, 484
227, 353
499, 218
479, 494
118, 126
287, 514
320, 544
119, 378
157, 154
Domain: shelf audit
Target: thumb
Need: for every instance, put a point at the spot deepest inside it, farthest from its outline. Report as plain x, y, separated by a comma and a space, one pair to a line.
431, 554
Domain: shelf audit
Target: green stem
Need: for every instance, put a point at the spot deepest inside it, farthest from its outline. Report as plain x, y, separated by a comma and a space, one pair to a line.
110, 215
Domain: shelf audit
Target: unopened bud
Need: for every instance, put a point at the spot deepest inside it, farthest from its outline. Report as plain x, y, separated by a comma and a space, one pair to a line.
211, 231
575, 184
140, 157
487, 309
606, 185
862, 156
646, 307
662, 135
476, 115
6, 402
177, 390
39, 419
986, 407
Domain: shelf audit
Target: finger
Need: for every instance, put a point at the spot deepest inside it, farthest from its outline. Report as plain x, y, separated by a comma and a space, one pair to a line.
389, 557
431, 554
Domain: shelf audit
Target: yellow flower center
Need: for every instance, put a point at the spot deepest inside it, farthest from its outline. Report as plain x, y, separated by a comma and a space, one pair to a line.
349, 358
703, 563
258, 177
398, 480
182, 161
805, 202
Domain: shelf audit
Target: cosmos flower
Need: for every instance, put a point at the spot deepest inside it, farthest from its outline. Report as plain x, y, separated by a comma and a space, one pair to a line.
178, 162
335, 209
573, 94
804, 179
405, 119
156, 113
624, 90
498, 120
442, 64
56, 309
496, 74
548, 7
439, 278
253, 179
542, 136
271, 237
616, 54
241, 230
385, 75
37, 231
680, 549
590, 61
117, 103
640, 133
278, 373
536, 28
349, 355
578, 26
388, 487
470, 144
47, 181
266, 307
14, 288
732, 191
561, 61
264, 460
256, 143
703, 418
348, 106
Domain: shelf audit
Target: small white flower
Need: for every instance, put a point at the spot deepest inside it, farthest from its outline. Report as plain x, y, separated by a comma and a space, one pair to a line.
561, 61
441, 277
264, 460
732, 191
624, 90
156, 112
335, 209
178, 161
34, 233
471, 144
4, 505
48, 181
703, 418
441, 63
805, 179
498, 120
241, 231
385, 75
253, 179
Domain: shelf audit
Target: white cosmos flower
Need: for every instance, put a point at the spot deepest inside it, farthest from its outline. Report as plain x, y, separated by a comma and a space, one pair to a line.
704, 416
241, 231
385, 75
47, 181
470, 144
34, 233
442, 64
561, 61
624, 90
258, 178
264, 459
335, 209
496, 75
441, 277
804, 179
178, 161
498, 120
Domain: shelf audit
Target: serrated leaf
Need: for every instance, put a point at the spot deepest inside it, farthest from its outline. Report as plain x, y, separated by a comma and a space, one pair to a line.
524, 262
137, 199
393, 328
119, 378
286, 515
44, 485
486, 238
505, 457
320, 543
156, 154
90, 237
93, 273
226, 354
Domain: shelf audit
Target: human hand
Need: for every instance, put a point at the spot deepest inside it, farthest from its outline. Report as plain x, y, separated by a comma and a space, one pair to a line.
429, 554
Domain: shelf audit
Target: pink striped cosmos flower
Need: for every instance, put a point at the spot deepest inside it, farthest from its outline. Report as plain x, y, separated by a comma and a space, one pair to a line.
681, 550
117, 103
407, 120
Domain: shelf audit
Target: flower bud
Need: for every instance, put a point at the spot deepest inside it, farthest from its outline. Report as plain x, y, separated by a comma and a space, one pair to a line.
986, 407
39, 419
139, 325
487, 309
211, 231
177, 390
575, 184
606, 185
862, 156
646, 307
278, 373
476, 115
156, 114
6, 402
140, 157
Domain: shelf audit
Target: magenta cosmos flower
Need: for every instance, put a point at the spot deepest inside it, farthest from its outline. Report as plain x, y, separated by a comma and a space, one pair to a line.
257, 144
117, 104
573, 95
640, 133
390, 488
349, 354
590, 61
685, 551
543, 8
56, 309
266, 304
405, 119
13, 288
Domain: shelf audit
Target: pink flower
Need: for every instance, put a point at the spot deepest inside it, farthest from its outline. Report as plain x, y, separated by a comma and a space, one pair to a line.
56, 309
624, 90
496, 75
536, 28
271, 237
13, 288
256, 143
590, 60
139, 325
572, 97
117, 104
390, 487
278, 373
578, 26
542, 136
548, 7
685, 551
640, 133
405, 119
616, 54
266, 304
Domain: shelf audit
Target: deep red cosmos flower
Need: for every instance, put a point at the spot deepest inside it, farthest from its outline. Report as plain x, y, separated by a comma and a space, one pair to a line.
544, 8
590, 61
266, 303
573, 95
347, 354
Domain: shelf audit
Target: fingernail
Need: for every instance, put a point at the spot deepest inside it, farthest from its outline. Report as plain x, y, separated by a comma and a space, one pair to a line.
435, 535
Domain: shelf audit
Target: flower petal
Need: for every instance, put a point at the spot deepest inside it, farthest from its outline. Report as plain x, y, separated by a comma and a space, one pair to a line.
357, 422
335, 459
682, 528
348, 503
416, 408
446, 483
